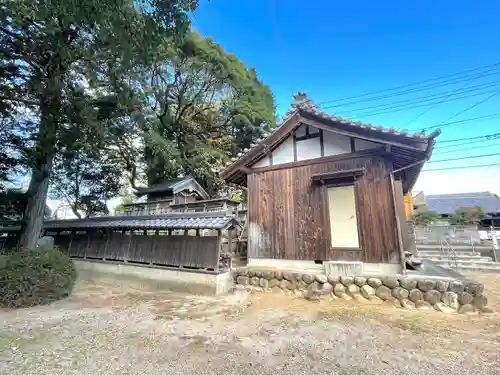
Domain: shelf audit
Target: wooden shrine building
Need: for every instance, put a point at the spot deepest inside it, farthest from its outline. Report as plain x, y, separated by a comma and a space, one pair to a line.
322, 188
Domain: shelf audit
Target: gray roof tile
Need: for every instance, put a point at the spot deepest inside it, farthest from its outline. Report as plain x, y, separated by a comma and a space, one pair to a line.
194, 220
449, 203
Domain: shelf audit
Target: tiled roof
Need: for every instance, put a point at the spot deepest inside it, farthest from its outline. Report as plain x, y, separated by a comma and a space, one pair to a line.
449, 203
304, 105
194, 220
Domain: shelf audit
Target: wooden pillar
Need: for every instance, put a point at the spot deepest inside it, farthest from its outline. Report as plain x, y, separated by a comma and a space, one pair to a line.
219, 244
398, 225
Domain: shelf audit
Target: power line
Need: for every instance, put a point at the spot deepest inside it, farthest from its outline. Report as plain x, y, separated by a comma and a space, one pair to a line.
412, 84
465, 157
467, 143
427, 98
435, 105
473, 106
472, 148
461, 167
487, 136
412, 106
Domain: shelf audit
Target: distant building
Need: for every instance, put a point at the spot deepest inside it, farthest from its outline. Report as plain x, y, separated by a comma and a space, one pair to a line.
447, 204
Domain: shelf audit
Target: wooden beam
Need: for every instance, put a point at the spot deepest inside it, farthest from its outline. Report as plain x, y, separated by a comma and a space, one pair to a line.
398, 225
320, 160
321, 142
294, 146
328, 128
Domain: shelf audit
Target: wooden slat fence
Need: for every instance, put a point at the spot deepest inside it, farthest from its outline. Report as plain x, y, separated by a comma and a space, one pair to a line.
180, 251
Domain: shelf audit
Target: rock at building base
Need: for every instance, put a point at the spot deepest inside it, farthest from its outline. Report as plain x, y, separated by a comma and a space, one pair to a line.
407, 304
440, 306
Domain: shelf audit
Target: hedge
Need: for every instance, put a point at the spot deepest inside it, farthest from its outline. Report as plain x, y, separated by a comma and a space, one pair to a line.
35, 277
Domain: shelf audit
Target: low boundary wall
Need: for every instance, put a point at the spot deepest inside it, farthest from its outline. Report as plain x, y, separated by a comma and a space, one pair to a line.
411, 292
186, 281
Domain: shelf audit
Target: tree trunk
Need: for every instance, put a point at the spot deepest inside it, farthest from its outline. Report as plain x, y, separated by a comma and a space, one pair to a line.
42, 159
35, 209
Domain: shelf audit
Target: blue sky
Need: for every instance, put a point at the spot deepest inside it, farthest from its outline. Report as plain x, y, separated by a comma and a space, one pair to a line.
334, 50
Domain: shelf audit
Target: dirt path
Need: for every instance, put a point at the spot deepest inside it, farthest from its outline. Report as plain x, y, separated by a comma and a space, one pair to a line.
105, 328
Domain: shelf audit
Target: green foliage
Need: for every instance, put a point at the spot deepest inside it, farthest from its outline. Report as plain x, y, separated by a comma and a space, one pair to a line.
425, 217
32, 277
85, 179
13, 204
58, 59
206, 107
466, 216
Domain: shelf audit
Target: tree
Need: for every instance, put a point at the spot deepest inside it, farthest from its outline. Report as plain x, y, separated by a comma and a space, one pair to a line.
85, 180
425, 217
207, 106
48, 55
13, 204
466, 216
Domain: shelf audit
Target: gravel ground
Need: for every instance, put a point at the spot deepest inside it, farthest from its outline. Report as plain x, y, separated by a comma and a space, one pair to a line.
106, 328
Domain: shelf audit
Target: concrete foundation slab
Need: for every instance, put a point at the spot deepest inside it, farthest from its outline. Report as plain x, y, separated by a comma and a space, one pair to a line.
170, 279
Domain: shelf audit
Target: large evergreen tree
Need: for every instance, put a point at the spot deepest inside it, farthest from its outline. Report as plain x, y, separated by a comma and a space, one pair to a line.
48, 53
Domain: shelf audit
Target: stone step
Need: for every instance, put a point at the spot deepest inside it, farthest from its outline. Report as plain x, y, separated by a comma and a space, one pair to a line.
460, 258
455, 247
490, 267
461, 263
439, 253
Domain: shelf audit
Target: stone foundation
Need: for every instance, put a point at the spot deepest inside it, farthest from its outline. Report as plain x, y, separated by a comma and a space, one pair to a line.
444, 295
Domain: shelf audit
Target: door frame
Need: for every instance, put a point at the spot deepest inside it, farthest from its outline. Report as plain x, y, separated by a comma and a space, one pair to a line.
341, 182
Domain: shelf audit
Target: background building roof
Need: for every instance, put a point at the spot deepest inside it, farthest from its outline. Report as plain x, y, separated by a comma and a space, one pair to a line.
449, 203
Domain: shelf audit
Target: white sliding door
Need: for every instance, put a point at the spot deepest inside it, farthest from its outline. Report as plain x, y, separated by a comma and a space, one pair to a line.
343, 221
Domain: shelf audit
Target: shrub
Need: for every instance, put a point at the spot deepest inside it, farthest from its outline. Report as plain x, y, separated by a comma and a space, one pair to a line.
31, 277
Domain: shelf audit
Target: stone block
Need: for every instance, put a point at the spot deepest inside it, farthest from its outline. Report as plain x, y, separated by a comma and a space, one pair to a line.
450, 299
352, 289
333, 279
407, 304
307, 278
415, 295
476, 289
465, 298
432, 296
400, 293
268, 275
456, 286
383, 292
242, 280
321, 279
339, 290
408, 283
390, 282
360, 281
347, 280
374, 282
442, 286
426, 285
254, 281
367, 291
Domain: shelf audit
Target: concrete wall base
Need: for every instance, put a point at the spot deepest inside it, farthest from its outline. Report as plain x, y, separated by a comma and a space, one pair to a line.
160, 278
335, 268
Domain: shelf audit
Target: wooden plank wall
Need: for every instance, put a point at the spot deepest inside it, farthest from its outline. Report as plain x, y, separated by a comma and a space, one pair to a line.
288, 218
197, 252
